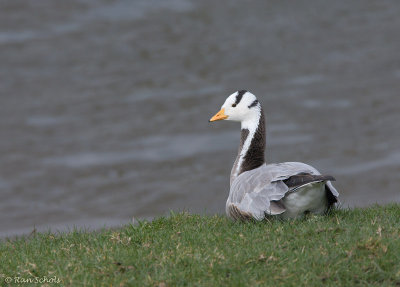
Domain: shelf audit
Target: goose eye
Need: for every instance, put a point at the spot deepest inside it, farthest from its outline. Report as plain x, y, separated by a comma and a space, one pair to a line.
233, 105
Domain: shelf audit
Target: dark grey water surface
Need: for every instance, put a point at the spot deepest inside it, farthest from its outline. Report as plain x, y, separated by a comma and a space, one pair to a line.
105, 104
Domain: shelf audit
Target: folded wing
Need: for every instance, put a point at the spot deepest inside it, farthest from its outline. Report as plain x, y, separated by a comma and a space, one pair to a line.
258, 192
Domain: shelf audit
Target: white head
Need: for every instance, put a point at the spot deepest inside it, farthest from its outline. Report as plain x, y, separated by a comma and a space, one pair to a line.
241, 106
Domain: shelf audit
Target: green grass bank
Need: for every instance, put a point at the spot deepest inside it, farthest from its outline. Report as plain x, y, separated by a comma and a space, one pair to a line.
359, 247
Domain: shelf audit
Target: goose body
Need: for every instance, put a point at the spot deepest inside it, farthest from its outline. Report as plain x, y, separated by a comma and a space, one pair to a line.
257, 189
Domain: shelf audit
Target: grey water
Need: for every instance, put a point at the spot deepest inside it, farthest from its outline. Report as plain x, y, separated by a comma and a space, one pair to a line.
104, 105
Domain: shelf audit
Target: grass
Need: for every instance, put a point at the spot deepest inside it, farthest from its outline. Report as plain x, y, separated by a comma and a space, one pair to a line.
359, 247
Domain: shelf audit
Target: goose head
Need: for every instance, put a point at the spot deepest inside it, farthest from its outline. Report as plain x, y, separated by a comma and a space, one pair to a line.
241, 106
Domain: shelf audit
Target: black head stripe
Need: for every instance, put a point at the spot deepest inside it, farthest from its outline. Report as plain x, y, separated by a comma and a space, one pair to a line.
253, 104
239, 96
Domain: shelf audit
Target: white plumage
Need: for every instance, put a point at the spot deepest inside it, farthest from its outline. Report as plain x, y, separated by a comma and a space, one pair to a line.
257, 189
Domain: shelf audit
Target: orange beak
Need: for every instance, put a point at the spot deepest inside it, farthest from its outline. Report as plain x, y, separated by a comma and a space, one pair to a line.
219, 116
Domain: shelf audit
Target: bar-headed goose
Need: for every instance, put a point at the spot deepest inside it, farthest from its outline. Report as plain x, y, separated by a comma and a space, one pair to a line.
257, 189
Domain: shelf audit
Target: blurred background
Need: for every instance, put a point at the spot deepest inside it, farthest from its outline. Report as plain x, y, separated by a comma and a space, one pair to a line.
105, 104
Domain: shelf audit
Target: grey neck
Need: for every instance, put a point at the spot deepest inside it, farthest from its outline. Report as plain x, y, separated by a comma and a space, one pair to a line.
251, 147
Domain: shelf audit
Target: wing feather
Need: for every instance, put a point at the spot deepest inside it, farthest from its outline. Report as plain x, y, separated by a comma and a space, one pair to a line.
258, 192
304, 178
